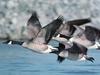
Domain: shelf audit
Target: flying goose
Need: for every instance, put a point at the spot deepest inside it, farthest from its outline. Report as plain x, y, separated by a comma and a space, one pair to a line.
69, 29
88, 38
73, 52
40, 42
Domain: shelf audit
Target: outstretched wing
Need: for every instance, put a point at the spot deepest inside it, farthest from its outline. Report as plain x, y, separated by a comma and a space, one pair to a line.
79, 22
71, 28
49, 30
68, 28
33, 25
33, 28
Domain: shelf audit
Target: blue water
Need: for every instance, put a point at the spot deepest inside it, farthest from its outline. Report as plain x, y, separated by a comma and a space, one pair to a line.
15, 60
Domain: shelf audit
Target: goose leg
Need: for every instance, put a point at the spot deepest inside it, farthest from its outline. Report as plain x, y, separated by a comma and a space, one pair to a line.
90, 59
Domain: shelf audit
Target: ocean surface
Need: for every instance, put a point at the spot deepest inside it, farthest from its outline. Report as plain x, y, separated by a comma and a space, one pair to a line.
16, 60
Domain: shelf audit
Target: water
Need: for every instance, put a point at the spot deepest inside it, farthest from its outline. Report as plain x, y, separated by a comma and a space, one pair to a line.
15, 60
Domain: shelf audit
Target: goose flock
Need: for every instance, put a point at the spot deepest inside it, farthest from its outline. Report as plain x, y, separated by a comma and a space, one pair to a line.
74, 38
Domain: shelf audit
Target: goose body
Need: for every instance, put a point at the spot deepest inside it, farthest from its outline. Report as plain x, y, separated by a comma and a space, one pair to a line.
72, 52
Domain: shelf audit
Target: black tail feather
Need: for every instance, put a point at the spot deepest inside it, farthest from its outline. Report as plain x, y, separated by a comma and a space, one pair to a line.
60, 59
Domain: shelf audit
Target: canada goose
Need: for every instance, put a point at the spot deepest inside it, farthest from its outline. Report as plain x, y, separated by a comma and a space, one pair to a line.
40, 42
72, 52
39, 37
69, 29
88, 37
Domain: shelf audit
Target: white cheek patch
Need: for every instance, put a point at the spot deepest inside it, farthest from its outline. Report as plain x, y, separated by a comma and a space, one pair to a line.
49, 49
71, 39
64, 54
10, 43
58, 35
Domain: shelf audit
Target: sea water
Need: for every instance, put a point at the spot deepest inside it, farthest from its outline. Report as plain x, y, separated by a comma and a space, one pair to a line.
16, 60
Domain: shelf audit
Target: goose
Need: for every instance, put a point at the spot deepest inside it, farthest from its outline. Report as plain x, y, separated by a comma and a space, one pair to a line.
40, 43
74, 52
39, 36
70, 29
88, 38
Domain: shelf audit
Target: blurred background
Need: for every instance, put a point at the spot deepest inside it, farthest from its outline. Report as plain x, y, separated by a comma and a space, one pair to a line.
15, 13
16, 60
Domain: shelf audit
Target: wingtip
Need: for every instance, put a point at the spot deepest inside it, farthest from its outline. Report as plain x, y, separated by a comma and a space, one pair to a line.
33, 18
79, 22
34, 13
61, 18
89, 19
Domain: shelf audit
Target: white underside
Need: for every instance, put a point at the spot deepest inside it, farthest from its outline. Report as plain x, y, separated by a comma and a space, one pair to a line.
93, 47
85, 42
82, 59
49, 49
72, 57
60, 39
39, 48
